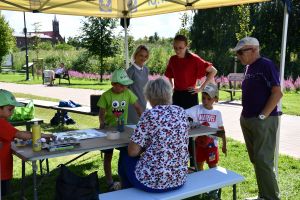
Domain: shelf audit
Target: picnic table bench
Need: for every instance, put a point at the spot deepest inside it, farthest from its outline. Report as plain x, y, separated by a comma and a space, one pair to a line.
197, 183
27, 123
232, 79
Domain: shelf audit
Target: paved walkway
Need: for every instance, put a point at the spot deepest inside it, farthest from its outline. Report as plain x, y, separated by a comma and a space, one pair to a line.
289, 131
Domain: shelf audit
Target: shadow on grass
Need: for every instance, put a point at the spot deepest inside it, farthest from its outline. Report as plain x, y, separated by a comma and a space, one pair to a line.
60, 128
45, 190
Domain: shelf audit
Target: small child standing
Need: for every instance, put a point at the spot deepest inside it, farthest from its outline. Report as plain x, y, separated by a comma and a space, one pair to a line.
7, 135
207, 146
114, 106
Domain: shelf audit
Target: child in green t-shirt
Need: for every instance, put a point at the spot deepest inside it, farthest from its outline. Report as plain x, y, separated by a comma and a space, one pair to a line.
113, 108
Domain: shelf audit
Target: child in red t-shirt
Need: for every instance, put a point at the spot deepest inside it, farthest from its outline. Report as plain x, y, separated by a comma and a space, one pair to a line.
7, 135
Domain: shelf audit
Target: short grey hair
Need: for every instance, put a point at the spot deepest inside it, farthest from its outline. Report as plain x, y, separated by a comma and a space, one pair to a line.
158, 92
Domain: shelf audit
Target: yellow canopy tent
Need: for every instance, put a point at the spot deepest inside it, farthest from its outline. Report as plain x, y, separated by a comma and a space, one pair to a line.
136, 8
115, 8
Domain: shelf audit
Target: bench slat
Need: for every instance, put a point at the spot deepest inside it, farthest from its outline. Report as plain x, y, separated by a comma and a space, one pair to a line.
197, 183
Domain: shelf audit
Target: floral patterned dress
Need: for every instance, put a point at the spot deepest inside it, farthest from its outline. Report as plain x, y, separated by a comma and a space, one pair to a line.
163, 134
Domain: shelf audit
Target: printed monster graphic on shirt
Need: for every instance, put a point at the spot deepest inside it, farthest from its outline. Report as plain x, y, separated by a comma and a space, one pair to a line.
118, 108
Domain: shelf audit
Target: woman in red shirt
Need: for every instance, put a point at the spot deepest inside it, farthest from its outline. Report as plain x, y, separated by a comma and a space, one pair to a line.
183, 71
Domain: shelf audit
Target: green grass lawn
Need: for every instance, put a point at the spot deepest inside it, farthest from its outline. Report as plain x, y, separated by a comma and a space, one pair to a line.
236, 160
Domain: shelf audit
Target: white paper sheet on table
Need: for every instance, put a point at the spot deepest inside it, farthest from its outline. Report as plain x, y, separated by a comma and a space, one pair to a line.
81, 134
133, 126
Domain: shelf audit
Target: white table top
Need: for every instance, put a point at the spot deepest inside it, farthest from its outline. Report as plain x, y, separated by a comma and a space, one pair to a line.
26, 153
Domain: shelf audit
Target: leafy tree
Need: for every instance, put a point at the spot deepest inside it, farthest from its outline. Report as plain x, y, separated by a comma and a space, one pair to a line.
120, 52
98, 38
213, 34
156, 37
214, 31
151, 39
131, 44
7, 41
75, 42
86, 63
185, 25
268, 20
36, 40
158, 59
243, 12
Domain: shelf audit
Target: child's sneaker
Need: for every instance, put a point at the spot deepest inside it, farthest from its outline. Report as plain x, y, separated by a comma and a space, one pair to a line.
115, 186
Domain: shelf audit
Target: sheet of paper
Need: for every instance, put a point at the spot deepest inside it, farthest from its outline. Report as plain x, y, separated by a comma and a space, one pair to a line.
81, 134
131, 126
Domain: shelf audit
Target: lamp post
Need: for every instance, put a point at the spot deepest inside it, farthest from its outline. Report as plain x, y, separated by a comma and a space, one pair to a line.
26, 49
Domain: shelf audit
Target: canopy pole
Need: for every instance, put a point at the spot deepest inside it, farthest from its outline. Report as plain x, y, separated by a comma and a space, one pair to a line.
26, 49
126, 43
282, 66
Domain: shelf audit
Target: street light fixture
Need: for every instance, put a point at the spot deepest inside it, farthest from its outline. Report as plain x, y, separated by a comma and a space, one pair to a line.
26, 49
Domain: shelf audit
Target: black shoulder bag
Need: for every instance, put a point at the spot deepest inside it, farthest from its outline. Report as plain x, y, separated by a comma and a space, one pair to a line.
70, 186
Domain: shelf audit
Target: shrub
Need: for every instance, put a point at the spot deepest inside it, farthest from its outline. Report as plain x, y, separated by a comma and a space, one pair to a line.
64, 46
52, 61
45, 46
86, 63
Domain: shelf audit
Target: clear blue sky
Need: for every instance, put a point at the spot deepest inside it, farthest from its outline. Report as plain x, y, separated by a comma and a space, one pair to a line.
165, 25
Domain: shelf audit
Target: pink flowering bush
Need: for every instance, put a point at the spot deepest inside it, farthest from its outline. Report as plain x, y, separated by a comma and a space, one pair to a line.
222, 81
288, 84
297, 84
76, 74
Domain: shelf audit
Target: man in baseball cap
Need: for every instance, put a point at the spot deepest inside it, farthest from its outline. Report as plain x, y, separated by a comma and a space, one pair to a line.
259, 117
247, 50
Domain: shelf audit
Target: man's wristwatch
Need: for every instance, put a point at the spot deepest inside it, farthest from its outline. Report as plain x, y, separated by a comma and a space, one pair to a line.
261, 116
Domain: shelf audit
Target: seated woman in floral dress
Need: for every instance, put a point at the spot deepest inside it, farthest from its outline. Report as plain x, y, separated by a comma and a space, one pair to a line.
157, 155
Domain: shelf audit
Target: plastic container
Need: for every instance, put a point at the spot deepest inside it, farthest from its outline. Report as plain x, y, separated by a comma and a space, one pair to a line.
36, 137
120, 126
113, 135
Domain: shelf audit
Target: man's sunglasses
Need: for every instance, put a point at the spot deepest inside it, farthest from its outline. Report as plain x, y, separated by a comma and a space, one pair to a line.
241, 51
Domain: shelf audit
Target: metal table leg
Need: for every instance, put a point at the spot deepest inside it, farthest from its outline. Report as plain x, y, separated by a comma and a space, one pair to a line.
23, 181
41, 167
34, 170
47, 165
234, 191
194, 152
